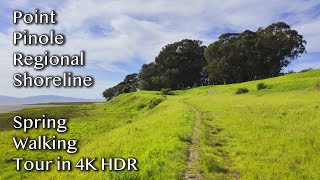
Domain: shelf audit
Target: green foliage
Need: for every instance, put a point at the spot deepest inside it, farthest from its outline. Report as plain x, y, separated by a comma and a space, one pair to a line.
242, 90
306, 70
291, 72
262, 86
234, 58
109, 93
129, 84
70, 110
178, 66
166, 91
148, 136
154, 102
256, 130
141, 106
185, 138
237, 136
240, 57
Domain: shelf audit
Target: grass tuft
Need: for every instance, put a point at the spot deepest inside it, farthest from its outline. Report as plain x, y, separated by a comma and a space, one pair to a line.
242, 90
261, 86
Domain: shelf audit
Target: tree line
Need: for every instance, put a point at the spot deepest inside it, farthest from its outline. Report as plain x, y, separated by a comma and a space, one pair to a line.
233, 58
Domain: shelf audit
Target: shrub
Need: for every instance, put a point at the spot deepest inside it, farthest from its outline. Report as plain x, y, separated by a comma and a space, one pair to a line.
291, 72
166, 91
154, 102
262, 86
242, 90
141, 106
306, 70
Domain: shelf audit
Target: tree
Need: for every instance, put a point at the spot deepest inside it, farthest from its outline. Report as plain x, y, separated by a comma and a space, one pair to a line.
132, 83
280, 45
239, 57
178, 66
109, 93
129, 84
149, 77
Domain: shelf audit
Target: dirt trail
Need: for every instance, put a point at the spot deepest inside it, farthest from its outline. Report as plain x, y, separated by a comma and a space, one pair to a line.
193, 171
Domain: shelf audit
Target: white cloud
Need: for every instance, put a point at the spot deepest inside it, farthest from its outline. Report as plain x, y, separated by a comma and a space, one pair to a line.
137, 29
311, 34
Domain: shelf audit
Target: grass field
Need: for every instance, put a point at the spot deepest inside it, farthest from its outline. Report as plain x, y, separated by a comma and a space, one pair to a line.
207, 132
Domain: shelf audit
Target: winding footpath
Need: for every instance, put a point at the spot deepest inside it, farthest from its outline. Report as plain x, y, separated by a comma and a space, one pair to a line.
193, 171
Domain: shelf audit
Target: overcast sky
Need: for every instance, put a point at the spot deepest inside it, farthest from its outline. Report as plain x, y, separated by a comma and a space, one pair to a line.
121, 35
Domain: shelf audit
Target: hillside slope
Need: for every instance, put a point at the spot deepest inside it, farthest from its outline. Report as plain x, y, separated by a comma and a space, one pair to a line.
207, 132
264, 134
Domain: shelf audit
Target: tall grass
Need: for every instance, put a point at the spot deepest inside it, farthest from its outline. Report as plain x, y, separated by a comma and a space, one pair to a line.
269, 134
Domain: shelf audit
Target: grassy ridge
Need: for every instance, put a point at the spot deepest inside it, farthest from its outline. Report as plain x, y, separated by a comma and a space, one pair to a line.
267, 134
145, 126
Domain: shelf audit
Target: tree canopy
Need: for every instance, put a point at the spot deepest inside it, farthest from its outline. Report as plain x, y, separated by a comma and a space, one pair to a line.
239, 57
233, 58
129, 84
178, 65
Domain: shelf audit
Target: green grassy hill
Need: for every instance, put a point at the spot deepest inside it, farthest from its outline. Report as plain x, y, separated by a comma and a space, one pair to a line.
207, 132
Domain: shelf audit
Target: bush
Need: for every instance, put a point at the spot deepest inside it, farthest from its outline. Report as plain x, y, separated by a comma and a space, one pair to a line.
141, 106
166, 91
242, 90
291, 72
262, 86
154, 102
306, 70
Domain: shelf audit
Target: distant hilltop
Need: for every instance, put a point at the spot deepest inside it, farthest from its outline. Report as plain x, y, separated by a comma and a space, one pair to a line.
42, 99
